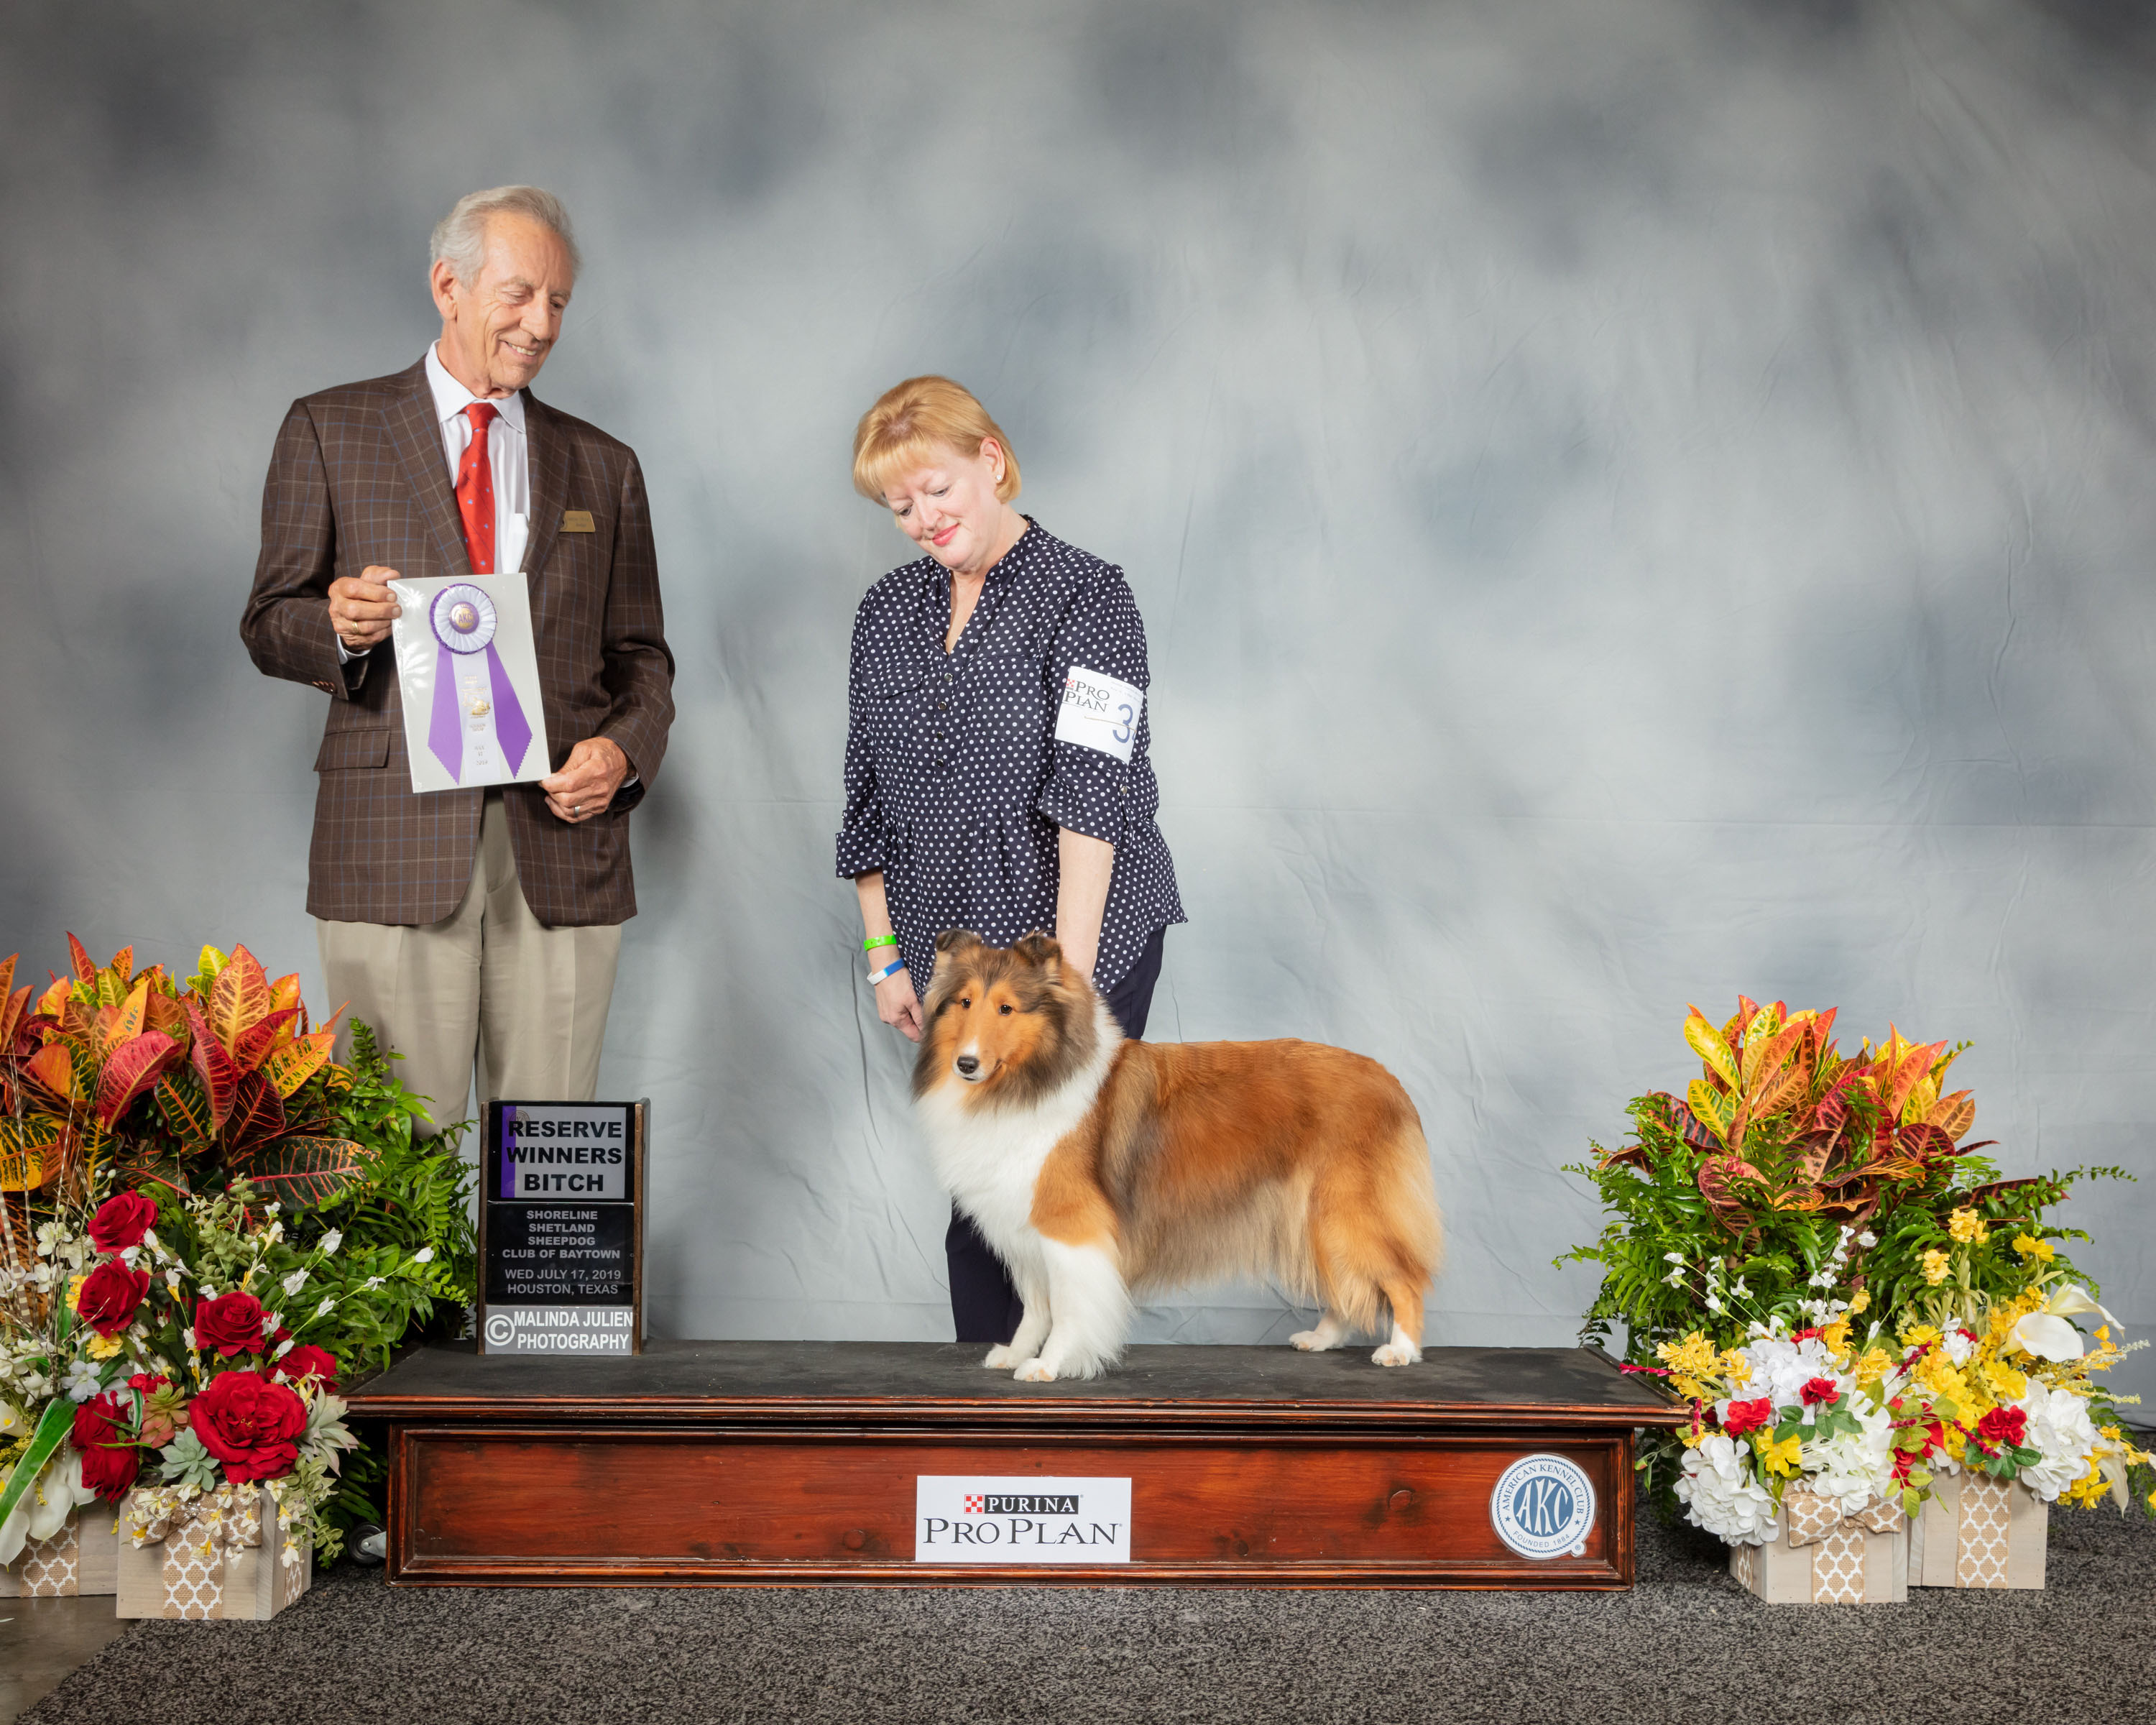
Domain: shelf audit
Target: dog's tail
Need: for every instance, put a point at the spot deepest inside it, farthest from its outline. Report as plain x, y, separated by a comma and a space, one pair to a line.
1376, 1237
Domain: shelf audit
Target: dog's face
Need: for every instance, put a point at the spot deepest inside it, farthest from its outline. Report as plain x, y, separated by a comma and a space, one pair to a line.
1005, 1024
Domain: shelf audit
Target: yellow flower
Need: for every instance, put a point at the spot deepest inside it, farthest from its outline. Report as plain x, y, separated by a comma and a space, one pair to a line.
1937, 1373
2005, 1383
1873, 1366
1967, 1227
1735, 1367
1836, 1335
1694, 1356
1780, 1458
1862, 1302
2030, 1247
104, 1347
75, 1291
1920, 1335
1935, 1267
2103, 1332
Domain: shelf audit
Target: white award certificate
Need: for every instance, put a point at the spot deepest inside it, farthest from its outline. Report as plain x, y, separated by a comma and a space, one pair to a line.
470, 681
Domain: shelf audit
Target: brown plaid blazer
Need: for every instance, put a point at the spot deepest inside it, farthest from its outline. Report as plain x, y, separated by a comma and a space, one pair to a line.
357, 478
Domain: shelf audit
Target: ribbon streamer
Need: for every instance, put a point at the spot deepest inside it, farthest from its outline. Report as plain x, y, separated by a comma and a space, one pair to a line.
463, 620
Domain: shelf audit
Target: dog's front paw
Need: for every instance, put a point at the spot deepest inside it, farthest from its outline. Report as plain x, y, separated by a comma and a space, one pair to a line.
1310, 1341
1396, 1353
1000, 1357
1035, 1371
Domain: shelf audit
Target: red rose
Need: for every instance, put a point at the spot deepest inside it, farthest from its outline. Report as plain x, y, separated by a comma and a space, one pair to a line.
1747, 1416
110, 1459
110, 1293
250, 1425
1821, 1392
121, 1221
2003, 1425
302, 1363
231, 1323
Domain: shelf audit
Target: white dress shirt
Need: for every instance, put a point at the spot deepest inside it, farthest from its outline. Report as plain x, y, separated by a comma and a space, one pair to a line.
507, 453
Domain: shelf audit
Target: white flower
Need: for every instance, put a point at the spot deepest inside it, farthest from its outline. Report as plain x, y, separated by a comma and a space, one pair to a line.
1719, 1493
173, 1280
1855, 1467
128, 1254
331, 1241
1740, 1289
2060, 1427
2047, 1335
187, 1336
1958, 1344
1673, 1257
425, 1254
1676, 1278
328, 1305
271, 1208
1713, 1305
1781, 1368
371, 1284
293, 1283
81, 1383
283, 1349
1868, 1240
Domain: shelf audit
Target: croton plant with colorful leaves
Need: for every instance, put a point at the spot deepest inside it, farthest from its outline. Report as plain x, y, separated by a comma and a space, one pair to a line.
1811, 1251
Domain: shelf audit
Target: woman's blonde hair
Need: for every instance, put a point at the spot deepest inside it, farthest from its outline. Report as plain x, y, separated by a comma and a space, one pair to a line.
915, 422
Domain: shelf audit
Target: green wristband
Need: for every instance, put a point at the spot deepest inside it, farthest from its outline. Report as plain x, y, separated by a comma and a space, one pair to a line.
873, 941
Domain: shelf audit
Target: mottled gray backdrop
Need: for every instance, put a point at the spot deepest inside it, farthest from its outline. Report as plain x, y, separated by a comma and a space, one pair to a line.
1632, 501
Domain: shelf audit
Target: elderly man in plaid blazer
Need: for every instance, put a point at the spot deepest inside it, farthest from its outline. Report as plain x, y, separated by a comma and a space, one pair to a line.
471, 923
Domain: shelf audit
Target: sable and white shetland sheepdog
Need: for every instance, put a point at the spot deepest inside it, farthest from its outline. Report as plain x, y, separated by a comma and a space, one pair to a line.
1100, 1168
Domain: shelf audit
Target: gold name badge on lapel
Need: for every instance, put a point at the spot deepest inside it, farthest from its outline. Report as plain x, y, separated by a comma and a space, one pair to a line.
578, 520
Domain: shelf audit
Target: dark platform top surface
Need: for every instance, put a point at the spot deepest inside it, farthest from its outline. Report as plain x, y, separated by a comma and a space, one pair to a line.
917, 1373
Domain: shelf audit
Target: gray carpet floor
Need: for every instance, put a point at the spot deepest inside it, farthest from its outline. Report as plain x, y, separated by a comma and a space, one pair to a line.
1684, 1645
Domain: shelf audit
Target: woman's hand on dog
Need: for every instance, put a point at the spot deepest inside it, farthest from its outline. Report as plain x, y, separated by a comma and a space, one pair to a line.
897, 1005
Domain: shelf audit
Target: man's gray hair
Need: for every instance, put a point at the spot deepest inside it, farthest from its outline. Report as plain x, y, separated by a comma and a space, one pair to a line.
460, 236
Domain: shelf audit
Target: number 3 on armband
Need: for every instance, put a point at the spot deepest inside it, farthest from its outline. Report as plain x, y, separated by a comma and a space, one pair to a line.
1122, 731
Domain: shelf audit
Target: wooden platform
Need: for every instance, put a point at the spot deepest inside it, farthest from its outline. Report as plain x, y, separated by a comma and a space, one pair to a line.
748, 1462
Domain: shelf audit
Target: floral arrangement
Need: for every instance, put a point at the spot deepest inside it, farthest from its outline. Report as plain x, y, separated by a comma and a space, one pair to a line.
205, 1223
1805, 1247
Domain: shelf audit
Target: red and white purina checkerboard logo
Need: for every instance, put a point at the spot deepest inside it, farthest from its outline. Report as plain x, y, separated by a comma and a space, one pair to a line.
972, 1504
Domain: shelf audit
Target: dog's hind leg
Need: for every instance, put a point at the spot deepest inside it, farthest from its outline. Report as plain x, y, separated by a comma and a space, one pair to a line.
1405, 1346
1331, 1330
1032, 1327
1089, 1310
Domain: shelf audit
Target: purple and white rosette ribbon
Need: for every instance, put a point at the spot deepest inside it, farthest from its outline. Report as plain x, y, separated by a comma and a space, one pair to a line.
475, 704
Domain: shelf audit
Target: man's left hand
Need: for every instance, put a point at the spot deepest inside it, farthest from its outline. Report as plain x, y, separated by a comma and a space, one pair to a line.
588, 780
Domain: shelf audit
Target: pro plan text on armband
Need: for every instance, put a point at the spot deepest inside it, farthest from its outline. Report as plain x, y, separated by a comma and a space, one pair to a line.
961, 1519
565, 1154
1100, 712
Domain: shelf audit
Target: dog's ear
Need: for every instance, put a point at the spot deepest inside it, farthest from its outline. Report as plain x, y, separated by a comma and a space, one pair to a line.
1041, 951
953, 947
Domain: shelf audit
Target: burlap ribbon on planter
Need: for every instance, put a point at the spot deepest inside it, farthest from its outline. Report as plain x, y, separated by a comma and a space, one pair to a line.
1838, 1564
197, 1529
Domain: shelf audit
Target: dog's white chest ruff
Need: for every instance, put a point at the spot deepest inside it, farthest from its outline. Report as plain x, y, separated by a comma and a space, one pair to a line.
989, 1159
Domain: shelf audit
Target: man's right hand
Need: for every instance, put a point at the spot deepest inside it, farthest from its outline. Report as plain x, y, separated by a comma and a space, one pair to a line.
362, 606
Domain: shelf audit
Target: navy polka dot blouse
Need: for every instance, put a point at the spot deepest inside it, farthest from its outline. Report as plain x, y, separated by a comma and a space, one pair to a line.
955, 782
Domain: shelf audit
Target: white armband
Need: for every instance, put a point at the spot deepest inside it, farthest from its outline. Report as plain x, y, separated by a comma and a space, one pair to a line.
1100, 712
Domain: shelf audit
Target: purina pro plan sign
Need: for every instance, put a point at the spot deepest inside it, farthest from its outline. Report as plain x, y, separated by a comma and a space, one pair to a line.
964, 1518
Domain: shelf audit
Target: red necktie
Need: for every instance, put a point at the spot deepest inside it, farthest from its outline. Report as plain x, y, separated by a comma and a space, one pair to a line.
475, 490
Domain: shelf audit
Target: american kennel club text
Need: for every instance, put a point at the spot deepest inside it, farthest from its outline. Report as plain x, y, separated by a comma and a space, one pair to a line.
964, 1519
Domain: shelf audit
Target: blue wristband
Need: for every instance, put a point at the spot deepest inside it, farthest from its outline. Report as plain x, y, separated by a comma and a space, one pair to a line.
887, 973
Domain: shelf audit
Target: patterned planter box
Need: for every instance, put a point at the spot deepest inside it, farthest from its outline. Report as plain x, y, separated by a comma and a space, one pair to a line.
82, 1558
1824, 1558
219, 1554
1978, 1532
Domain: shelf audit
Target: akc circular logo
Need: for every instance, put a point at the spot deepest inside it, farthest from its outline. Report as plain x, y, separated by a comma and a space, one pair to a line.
1543, 1506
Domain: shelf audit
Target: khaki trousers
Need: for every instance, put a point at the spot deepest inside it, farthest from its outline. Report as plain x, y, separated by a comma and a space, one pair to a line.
487, 983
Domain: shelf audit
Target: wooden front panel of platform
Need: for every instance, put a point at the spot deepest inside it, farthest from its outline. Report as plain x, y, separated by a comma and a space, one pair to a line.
760, 1463
1333, 1509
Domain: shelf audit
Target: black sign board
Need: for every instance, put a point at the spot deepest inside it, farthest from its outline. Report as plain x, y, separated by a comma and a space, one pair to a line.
560, 1228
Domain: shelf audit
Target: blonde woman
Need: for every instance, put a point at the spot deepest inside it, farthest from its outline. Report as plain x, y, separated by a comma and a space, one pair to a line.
998, 775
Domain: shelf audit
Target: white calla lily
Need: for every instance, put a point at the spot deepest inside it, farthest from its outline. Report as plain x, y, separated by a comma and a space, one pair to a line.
11, 1421
2047, 1335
